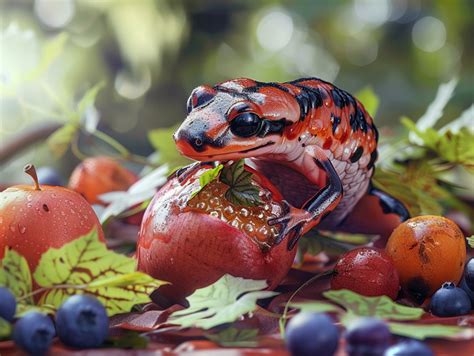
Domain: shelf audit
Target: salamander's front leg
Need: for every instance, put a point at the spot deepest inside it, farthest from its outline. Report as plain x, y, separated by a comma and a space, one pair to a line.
186, 172
296, 222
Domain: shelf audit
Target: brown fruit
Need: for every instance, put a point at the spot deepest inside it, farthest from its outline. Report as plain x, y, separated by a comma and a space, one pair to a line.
366, 271
193, 242
427, 251
98, 175
36, 218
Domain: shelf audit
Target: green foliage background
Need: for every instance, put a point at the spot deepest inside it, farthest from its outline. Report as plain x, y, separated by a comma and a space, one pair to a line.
145, 57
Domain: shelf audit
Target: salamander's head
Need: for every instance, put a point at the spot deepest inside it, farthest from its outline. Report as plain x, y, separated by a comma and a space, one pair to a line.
235, 119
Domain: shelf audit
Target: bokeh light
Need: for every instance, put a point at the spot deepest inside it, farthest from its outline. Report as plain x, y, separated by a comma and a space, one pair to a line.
55, 13
274, 30
429, 34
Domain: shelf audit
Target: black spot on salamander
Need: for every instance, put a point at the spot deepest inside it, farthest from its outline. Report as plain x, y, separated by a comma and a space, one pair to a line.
299, 139
337, 98
308, 98
361, 120
353, 122
303, 145
373, 158
335, 121
357, 154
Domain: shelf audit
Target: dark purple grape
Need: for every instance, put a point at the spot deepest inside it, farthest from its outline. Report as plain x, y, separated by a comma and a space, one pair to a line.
450, 301
34, 333
469, 274
368, 337
82, 322
7, 304
409, 348
312, 334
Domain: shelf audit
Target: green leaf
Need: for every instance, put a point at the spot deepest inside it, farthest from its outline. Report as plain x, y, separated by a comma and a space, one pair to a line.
222, 302
51, 51
85, 265
241, 190
23, 308
15, 274
423, 331
470, 241
89, 98
382, 307
316, 307
233, 337
59, 141
206, 178
162, 141
5, 329
369, 99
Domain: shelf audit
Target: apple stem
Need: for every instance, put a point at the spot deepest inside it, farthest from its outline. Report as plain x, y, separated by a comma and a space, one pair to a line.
31, 171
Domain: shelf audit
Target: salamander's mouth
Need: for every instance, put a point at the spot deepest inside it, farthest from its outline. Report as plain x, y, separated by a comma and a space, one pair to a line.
226, 155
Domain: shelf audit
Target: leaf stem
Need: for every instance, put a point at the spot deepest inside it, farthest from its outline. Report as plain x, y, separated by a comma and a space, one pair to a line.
284, 317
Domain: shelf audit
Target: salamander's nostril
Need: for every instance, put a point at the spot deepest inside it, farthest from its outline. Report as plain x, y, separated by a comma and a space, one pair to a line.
198, 142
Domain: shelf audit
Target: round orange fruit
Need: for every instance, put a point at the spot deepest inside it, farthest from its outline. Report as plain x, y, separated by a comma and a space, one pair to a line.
427, 251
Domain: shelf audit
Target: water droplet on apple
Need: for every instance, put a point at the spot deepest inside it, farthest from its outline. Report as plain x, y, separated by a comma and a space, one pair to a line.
22, 229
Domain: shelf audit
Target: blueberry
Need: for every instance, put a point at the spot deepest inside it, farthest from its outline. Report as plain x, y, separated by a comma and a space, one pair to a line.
450, 301
312, 334
34, 333
469, 274
49, 176
82, 322
463, 285
409, 348
368, 337
7, 304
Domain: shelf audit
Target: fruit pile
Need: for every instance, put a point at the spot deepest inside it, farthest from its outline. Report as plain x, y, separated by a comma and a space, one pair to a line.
81, 322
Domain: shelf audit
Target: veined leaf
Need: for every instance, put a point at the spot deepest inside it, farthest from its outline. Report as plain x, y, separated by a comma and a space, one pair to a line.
15, 274
233, 337
85, 265
382, 307
423, 331
317, 307
222, 302
206, 178
59, 141
369, 99
241, 190
162, 141
23, 308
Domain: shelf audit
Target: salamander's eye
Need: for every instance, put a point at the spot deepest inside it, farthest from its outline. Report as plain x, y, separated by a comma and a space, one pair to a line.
200, 96
246, 124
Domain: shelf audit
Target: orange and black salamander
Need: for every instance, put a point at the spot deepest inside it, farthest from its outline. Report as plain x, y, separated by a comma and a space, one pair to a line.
314, 141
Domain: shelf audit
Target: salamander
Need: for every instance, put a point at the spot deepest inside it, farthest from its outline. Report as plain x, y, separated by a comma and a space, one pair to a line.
314, 141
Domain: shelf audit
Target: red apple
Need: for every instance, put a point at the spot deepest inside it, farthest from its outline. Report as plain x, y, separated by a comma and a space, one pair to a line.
192, 242
36, 218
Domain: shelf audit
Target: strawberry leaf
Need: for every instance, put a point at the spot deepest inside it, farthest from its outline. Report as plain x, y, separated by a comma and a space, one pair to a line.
85, 265
206, 178
15, 274
241, 189
423, 331
382, 307
222, 302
